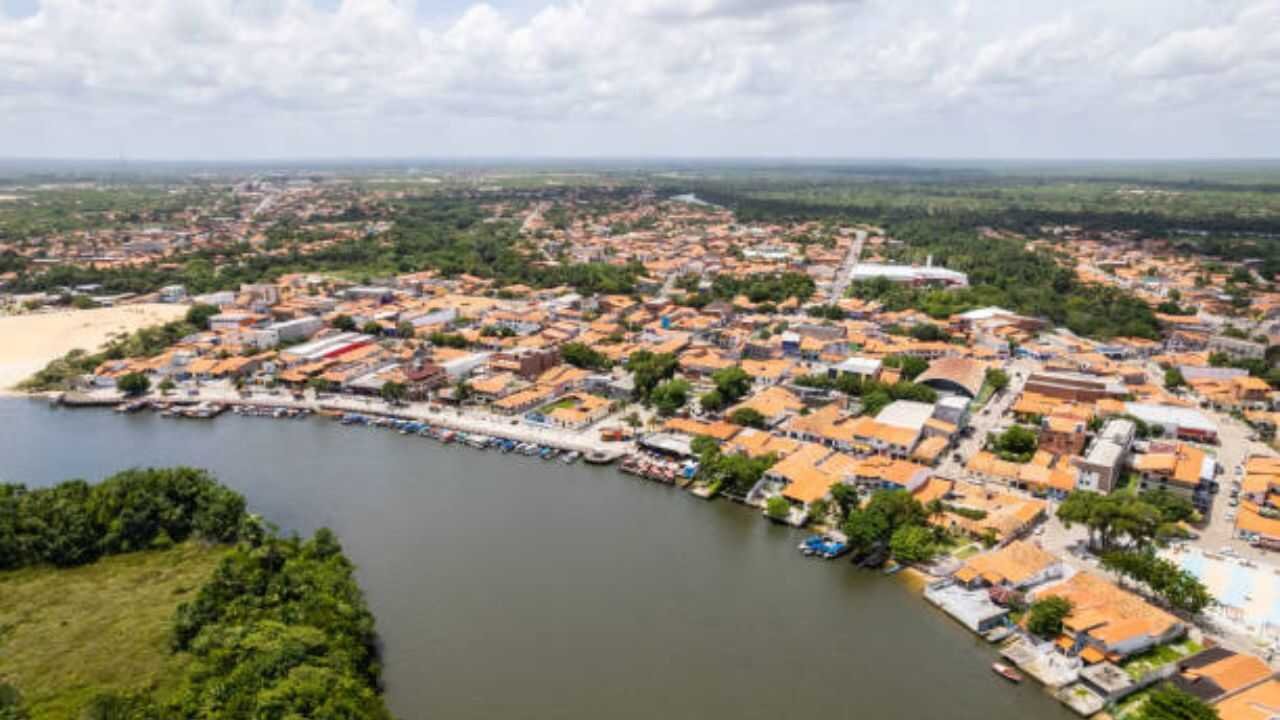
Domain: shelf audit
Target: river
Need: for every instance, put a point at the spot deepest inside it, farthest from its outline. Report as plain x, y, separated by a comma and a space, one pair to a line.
505, 586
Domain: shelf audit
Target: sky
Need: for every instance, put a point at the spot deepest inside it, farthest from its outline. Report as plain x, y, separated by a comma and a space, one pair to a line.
277, 79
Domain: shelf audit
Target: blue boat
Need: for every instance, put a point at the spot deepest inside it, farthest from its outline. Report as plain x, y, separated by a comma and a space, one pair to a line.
823, 546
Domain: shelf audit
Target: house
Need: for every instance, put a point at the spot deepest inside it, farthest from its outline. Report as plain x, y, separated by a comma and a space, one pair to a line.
577, 411
1017, 566
1217, 672
421, 377
955, 376
1259, 702
1184, 469
1063, 435
1114, 622
775, 403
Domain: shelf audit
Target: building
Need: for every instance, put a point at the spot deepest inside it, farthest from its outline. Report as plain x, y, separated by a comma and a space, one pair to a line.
1076, 387
1175, 421
1237, 347
1214, 673
1063, 435
863, 367
1259, 702
1017, 566
955, 376
528, 363
911, 274
1112, 621
1183, 469
1101, 466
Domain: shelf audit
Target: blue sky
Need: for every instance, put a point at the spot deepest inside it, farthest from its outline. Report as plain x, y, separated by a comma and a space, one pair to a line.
242, 79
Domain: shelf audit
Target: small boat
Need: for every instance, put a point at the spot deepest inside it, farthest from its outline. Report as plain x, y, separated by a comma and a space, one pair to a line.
570, 457
1006, 672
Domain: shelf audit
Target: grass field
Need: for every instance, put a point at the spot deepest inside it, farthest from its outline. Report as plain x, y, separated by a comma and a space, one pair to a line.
67, 635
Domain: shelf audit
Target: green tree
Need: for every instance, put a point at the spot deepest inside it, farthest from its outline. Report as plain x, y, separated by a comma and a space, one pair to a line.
166, 386
134, 384
998, 379
343, 323
1167, 702
777, 508
912, 544
909, 365
712, 401
405, 329
1173, 378
1045, 616
648, 369
1017, 443
670, 396
581, 355
748, 417
732, 382
372, 328
198, 315
393, 392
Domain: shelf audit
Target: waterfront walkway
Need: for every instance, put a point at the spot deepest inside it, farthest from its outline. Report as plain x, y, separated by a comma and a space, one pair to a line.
464, 420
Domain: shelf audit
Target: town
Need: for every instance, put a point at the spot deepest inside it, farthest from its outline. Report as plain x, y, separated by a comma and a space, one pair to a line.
1103, 505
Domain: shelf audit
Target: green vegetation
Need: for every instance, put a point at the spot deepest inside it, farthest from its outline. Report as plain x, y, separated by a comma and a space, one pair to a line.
895, 520
451, 340
764, 288
1159, 656
1169, 703
1045, 616
748, 417
909, 366
582, 356
393, 392
1139, 519
198, 315
279, 630
76, 523
735, 473
777, 508
133, 384
1177, 587
1003, 272
648, 369
73, 634
670, 396
145, 342
1017, 444
912, 544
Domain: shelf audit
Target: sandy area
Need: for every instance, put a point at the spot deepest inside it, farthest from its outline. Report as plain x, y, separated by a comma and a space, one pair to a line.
29, 342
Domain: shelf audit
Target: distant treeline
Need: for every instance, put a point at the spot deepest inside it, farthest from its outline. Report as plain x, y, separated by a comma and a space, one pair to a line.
280, 631
447, 234
749, 206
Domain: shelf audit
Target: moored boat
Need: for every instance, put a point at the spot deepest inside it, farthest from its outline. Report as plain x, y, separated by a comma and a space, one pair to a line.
1006, 672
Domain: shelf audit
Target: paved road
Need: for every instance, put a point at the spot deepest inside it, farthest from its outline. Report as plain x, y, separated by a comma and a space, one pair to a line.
844, 276
989, 419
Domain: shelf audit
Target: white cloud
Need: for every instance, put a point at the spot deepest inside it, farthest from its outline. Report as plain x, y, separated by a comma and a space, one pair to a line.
622, 77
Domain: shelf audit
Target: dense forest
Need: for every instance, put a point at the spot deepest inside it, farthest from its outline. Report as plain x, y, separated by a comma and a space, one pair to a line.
281, 630
1003, 272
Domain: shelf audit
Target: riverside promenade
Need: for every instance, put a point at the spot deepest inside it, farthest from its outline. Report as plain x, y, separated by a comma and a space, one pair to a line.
472, 421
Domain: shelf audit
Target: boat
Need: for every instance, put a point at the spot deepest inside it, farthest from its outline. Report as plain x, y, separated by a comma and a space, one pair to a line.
596, 457
570, 457
1006, 672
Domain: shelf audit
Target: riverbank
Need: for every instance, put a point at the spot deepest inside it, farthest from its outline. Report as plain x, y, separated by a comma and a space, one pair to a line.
601, 592
29, 342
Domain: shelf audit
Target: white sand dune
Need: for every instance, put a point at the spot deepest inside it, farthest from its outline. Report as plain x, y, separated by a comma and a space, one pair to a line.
29, 342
